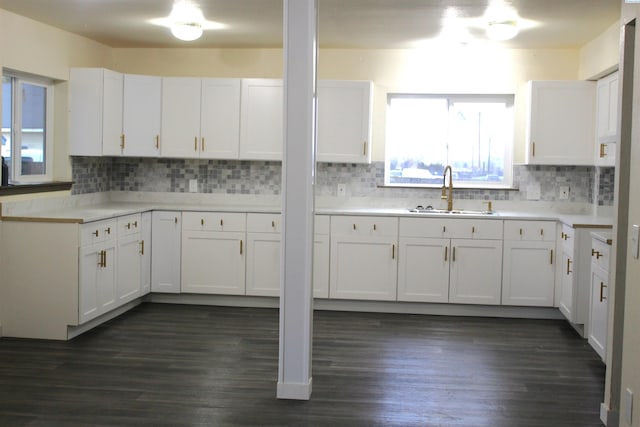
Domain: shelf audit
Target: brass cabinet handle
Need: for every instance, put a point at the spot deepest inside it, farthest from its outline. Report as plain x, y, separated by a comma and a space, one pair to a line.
104, 263
393, 251
128, 226
602, 152
240, 247
157, 142
273, 224
122, 141
551, 258
364, 150
135, 224
175, 220
521, 231
108, 230
453, 254
100, 259
562, 235
221, 222
473, 229
446, 250
602, 286
195, 144
542, 231
569, 266
95, 233
533, 149
374, 227
595, 253
203, 143
201, 221
354, 226
444, 229
142, 247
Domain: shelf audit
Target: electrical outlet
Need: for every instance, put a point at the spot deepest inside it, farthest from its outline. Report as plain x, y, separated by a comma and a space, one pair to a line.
193, 186
563, 192
342, 190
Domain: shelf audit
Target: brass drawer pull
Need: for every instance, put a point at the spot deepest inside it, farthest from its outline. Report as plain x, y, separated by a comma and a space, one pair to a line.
393, 251
108, 230
446, 250
240, 247
569, 266
453, 254
195, 144
602, 286
95, 233
551, 258
175, 220
142, 247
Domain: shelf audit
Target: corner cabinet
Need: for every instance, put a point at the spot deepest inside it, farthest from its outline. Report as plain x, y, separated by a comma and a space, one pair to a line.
213, 253
95, 110
261, 119
200, 118
560, 122
529, 263
606, 120
364, 258
344, 121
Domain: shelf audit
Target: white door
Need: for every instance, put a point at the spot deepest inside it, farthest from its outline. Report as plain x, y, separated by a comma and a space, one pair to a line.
180, 135
220, 119
476, 271
344, 121
261, 120
423, 270
528, 274
166, 251
263, 264
128, 271
213, 262
363, 268
141, 115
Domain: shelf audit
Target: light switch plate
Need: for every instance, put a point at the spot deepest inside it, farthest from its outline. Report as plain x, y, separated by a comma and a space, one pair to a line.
342, 190
193, 186
563, 192
533, 191
635, 240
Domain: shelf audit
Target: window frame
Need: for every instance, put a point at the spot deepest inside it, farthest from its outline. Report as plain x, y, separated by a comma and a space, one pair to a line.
17, 81
506, 98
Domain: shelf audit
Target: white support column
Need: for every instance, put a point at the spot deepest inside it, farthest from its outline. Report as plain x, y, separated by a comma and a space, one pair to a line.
298, 180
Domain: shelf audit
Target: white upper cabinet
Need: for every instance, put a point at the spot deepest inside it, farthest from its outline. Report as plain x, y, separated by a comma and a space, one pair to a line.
261, 119
560, 123
606, 120
344, 121
141, 116
95, 106
200, 118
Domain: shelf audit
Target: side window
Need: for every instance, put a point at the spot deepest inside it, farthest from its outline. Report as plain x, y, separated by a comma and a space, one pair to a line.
27, 118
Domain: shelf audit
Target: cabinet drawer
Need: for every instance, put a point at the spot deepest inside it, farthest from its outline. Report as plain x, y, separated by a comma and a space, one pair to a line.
567, 236
530, 230
364, 225
455, 228
128, 225
98, 231
600, 254
321, 224
264, 223
214, 221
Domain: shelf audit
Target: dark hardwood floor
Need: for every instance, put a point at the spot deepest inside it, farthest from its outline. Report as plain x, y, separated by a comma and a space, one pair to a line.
177, 365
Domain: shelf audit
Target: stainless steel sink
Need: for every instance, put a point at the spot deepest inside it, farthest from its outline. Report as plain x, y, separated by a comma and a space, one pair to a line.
429, 211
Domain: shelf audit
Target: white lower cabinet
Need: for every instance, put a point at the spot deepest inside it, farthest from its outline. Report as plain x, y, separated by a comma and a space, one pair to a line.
213, 253
321, 250
97, 272
364, 259
450, 260
145, 252
129, 258
263, 254
600, 282
166, 248
529, 264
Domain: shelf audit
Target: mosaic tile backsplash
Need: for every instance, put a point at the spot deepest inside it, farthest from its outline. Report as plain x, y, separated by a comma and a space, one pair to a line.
97, 174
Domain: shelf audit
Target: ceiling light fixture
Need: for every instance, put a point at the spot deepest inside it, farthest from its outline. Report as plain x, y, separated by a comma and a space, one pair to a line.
502, 30
186, 21
501, 21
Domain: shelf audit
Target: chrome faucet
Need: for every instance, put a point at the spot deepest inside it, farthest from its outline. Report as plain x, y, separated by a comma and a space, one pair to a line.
447, 193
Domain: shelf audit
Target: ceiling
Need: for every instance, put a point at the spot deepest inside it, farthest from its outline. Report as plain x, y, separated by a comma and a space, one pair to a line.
375, 24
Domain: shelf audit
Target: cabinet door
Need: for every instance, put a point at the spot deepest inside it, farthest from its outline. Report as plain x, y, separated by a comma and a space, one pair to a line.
529, 273
213, 262
598, 318
141, 115
107, 296
363, 268
180, 135
261, 119
560, 126
476, 271
567, 298
112, 113
128, 272
606, 120
97, 290
344, 121
220, 119
263, 264
321, 266
145, 252
165, 251
423, 270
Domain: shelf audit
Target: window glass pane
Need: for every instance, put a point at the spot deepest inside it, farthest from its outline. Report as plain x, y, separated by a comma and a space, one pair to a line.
416, 140
6, 123
32, 151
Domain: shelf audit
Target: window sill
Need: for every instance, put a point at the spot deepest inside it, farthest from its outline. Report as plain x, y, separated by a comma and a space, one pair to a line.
44, 187
455, 187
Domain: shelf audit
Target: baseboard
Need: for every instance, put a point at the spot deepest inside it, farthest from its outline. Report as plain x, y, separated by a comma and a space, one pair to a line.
295, 391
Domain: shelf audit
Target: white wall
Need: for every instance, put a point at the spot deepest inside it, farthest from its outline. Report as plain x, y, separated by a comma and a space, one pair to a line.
600, 56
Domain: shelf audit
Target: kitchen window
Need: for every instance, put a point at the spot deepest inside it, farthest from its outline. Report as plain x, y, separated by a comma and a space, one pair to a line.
472, 133
27, 128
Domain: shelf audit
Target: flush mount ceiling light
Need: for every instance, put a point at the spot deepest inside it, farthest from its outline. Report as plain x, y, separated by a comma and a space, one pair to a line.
501, 21
186, 21
502, 30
